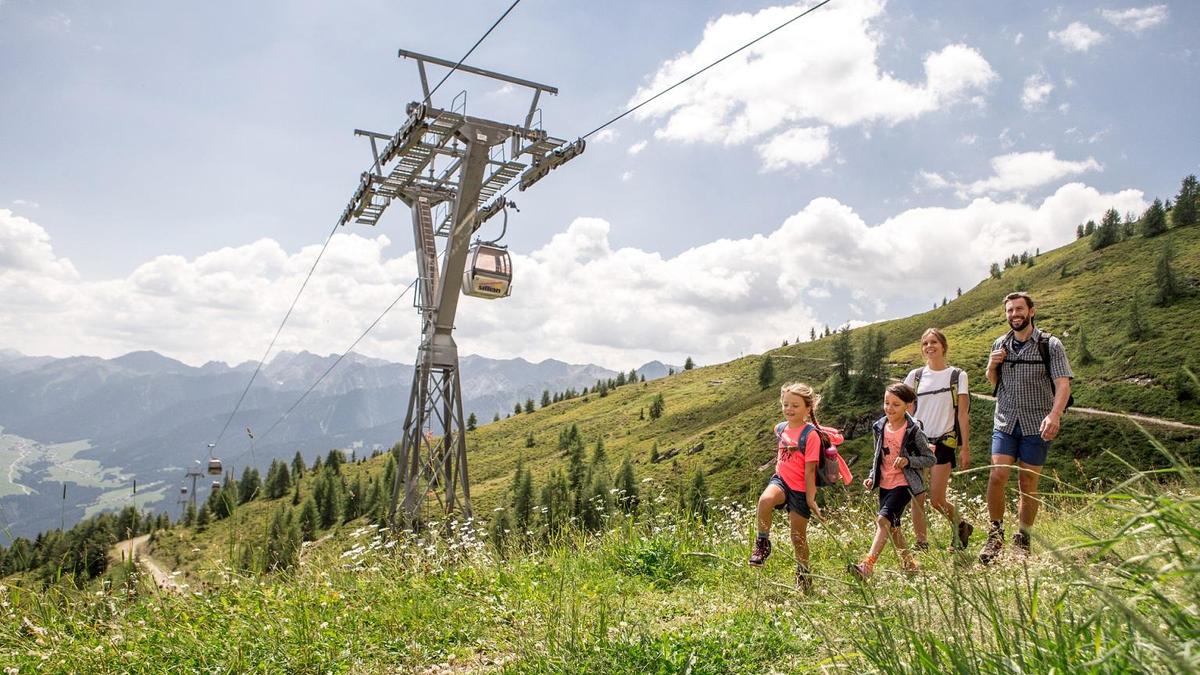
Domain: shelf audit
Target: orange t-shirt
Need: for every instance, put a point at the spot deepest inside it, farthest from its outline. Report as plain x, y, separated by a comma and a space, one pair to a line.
891, 477
790, 462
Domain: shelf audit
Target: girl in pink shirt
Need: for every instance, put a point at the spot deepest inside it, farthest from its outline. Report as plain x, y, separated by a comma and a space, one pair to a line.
793, 488
901, 452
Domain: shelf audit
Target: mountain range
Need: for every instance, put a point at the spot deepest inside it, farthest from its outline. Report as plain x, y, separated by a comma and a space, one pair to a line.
99, 426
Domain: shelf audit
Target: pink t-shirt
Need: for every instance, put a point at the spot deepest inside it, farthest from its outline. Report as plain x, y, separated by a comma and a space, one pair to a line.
790, 462
891, 477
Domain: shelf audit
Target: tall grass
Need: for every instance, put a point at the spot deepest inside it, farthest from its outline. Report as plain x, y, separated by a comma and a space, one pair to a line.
1118, 600
1111, 587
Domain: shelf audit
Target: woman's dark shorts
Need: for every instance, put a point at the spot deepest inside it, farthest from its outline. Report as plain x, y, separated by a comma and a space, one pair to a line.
796, 502
892, 503
945, 454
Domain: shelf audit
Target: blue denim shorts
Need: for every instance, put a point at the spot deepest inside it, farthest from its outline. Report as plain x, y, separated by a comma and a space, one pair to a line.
1031, 450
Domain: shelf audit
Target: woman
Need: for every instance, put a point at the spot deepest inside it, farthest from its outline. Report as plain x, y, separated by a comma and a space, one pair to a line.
941, 408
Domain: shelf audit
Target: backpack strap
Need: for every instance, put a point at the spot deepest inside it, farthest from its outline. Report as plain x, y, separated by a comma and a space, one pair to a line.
1000, 369
954, 373
779, 431
916, 376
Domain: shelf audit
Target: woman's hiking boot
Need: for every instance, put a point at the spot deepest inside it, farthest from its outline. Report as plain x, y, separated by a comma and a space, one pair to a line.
921, 546
993, 546
862, 571
1021, 542
965, 530
804, 580
762, 550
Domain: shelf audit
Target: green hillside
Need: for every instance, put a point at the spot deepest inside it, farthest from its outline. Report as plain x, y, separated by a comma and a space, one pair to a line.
718, 420
667, 591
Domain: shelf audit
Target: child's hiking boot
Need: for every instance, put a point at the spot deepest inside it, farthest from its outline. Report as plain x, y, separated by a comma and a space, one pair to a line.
762, 550
1021, 542
908, 563
804, 580
993, 546
965, 530
862, 571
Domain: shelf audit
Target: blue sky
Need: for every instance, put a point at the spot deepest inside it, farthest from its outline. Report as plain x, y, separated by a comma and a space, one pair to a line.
168, 171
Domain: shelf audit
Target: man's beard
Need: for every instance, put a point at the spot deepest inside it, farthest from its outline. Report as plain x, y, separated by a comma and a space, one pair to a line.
1018, 323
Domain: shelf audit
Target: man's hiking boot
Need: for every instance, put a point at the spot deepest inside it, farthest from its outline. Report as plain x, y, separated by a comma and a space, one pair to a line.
859, 570
1021, 542
762, 550
965, 530
921, 546
804, 580
993, 546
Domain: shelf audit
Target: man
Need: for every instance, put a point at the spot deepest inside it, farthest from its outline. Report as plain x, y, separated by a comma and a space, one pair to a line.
1030, 400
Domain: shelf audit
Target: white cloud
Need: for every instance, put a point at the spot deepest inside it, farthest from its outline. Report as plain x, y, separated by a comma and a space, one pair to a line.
25, 202
1136, 19
605, 136
1077, 37
1064, 108
968, 139
626, 176
1036, 91
575, 298
637, 147
1019, 39
795, 147
1019, 171
932, 180
821, 71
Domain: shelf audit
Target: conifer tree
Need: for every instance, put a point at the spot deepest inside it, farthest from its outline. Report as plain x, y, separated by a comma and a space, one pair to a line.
994, 272
334, 461
1187, 203
654, 453
496, 417
517, 409
283, 541
1079, 231
529, 405
812, 334
530, 441
329, 499
843, 353
249, 486
1154, 220
698, 497
1108, 232
766, 372
189, 514
545, 397
627, 489
1137, 326
688, 364
1167, 286
522, 509
203, 518
471, 422
576, 469
599, 455
310, 520
298, 466
657, 405
1089, 228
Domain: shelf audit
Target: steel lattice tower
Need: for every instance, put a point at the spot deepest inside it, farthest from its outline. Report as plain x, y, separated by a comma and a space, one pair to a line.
445, 165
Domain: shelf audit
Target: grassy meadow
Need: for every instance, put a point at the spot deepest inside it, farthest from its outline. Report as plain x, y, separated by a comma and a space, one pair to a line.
1112, 585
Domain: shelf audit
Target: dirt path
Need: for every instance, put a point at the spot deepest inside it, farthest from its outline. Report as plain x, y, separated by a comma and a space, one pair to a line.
1141, 419
133, 549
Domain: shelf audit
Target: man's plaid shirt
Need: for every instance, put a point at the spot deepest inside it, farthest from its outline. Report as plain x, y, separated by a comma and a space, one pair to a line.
1025, 394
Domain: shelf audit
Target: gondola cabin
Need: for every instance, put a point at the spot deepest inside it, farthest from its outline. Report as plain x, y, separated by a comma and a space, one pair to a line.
214, 467
489, 272
216, 485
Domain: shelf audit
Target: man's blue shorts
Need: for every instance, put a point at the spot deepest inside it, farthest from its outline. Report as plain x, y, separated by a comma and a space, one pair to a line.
1031, 450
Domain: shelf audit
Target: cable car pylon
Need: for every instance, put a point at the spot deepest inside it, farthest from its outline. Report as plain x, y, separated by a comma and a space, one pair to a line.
446, 160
